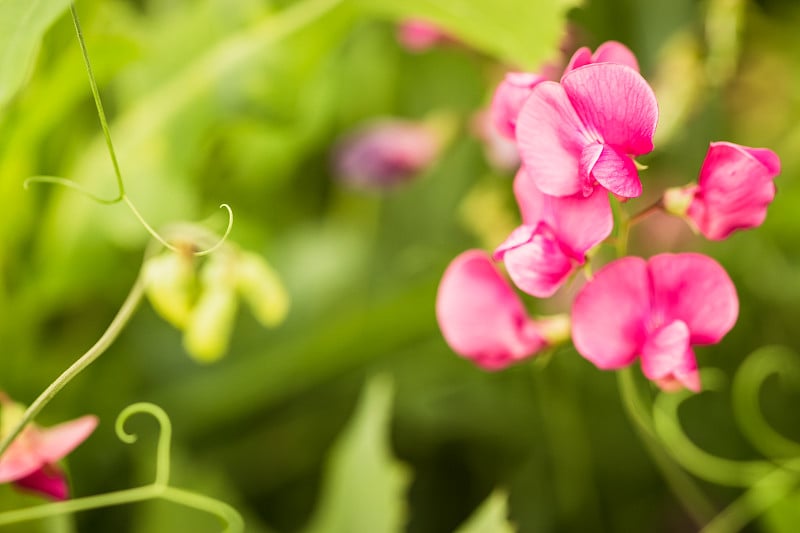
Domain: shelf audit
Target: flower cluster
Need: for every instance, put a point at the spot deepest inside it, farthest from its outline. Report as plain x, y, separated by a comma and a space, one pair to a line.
577, 139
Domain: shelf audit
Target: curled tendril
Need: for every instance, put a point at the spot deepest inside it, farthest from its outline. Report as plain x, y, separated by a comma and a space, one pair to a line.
702, 464
747, 384
164, 436
159, 489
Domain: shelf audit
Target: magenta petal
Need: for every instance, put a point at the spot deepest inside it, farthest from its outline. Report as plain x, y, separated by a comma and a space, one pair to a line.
666, 350
616, 104
609, 315
581, 57
615, 52
551, 137
617, 173
579, 222
19, 460
695, 289
734, 189
480, 315
48, 481
529, 198
535, 260
508, 99
54, 443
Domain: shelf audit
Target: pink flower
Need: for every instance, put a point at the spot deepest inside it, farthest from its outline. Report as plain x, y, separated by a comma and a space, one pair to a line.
30, 461
500, 151
733, 191
481, 317
656, 310
418, 35
608, 52
585, 130
555, 234
508, 99
385, 153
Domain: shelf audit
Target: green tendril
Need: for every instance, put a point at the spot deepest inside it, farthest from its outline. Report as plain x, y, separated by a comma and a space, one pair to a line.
747, 384
683, 487
704, 465
159, 489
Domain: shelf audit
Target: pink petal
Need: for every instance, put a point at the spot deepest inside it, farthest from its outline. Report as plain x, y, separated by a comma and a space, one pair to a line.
616, 104
551, 137
614, 171
615, 52
529, 198
508, 99
734, 189
609, 314
696, 290
480, 315
48, 481
666, 350
579, 222
20, 459
56, 442
608, 52
536, 260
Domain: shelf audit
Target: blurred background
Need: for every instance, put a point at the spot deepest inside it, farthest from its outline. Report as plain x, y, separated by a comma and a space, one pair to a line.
251, 102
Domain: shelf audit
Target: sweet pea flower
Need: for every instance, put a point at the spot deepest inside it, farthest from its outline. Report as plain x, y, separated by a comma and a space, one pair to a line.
483, 319
31, 460
733, 191
500, 151
555, 234
608, 52
655, 310
585, 130
386, 153
508, 99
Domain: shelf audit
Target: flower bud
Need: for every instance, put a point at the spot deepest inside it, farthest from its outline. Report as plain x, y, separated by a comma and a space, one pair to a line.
259, 286
170, 285
209, 326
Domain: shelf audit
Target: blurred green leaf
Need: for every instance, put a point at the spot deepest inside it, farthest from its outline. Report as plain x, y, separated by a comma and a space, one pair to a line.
522, 33
490, 517
22, 24
364, 490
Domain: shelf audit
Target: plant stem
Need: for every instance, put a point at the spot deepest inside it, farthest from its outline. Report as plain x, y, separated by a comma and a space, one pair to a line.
682, 485
112, 332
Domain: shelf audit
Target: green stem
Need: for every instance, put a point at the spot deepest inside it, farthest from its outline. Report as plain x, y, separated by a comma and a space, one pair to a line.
98, 104
112, 332
682, 485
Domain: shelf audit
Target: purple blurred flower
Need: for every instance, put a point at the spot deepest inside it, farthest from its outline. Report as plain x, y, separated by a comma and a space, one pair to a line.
385, 153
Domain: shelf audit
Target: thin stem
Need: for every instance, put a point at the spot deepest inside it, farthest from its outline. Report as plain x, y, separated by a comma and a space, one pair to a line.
112, 332
75, 186
682, 485
646, 212
98, 103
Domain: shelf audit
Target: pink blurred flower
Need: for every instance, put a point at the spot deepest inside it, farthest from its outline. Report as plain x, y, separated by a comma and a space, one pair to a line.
508, 99
30, 461
480, 315
555, 234
500, 151
608, 52
733, 191
418, 35
385, 153
655, 310
584, 131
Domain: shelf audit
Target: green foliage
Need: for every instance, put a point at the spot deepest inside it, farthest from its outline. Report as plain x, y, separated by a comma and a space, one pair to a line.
490, 517
22, 24
364, 484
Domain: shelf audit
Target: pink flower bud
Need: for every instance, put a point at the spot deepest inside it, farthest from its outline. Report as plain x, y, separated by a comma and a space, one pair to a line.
733, 191
386, 153
508, 99
418, 35
608, 52
480, 315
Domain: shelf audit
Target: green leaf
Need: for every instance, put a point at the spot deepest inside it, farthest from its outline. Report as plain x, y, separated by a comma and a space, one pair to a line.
522, 33
490, 517
22, 24
364, 487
